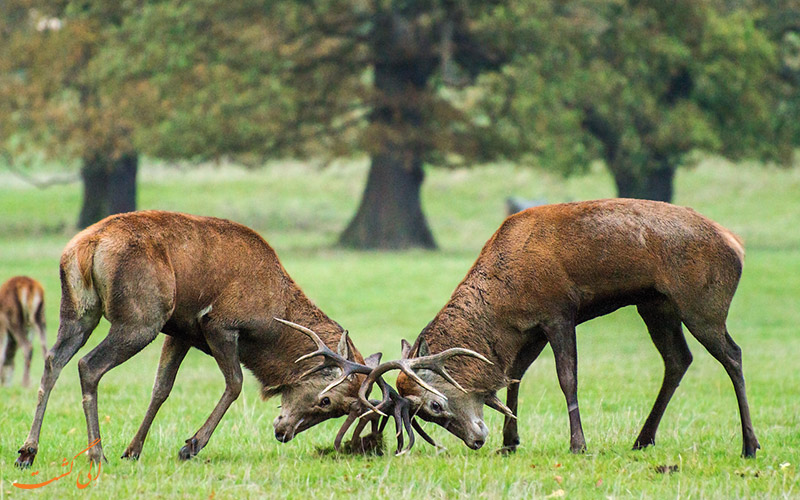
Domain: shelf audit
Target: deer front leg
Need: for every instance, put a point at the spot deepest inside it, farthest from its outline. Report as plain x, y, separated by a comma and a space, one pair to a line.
562, 339
524, 359
224, 347
173, 353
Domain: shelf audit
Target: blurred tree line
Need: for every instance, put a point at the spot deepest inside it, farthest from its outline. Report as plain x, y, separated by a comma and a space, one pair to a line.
642, 85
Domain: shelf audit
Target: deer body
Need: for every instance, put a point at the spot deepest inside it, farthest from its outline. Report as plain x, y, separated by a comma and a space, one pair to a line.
21, 308
207, 283
550, 268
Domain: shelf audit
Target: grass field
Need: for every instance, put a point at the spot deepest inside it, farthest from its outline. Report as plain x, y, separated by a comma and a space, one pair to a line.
382, 297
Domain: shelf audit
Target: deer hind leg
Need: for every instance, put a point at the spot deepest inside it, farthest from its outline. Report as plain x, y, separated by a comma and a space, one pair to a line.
715, 338
72, 335
664, 325
224, 347
21, 336
123, 341
524, 359
41, 328
172, 354
7, 353
561, 336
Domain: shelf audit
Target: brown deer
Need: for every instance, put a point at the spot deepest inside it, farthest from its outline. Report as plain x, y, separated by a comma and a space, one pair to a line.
21, 308
550, 268
206, 283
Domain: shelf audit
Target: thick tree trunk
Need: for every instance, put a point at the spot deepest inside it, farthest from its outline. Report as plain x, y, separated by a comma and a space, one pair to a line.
390, 215
122, 184
655, 184
109, 187
94, 175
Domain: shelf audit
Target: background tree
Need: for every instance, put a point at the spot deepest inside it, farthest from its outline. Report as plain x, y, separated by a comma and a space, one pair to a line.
52, 103
336, 78
641, 85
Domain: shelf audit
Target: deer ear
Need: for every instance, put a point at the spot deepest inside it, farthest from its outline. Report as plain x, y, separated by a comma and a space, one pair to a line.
373, 360
423, 349
343, 349
405, 349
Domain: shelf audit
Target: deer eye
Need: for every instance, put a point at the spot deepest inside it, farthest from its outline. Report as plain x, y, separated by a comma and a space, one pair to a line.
436, 407
326, 401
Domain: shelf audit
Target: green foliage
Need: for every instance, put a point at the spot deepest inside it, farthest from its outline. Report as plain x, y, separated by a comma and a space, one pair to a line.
639, 85
50, 99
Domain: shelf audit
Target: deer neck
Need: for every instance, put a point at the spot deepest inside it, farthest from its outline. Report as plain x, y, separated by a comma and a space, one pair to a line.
273, 361
468, 321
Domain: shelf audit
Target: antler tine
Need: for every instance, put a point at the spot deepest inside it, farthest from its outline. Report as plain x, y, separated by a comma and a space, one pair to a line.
435, 362
351, 417
322, 349
403, 419
424, 434
398, 364
492, 401
348, 367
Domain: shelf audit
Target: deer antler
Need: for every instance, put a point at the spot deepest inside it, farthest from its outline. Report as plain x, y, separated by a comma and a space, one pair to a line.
392, 401
434, 362
492, 401
348, 367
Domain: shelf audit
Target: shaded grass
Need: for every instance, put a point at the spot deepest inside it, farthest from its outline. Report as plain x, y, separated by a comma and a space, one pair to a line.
384, 296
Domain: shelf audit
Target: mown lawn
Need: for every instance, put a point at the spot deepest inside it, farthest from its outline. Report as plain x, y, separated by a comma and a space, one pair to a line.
382, 297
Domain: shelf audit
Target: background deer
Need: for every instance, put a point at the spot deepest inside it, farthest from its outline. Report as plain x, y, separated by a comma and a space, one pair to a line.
21, 308
206, 283
550, 268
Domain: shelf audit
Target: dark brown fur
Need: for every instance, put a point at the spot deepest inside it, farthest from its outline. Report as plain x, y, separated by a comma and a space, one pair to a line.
207, 283
552, 267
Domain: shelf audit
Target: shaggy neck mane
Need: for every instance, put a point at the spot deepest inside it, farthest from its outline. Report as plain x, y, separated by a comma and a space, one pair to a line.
467, 321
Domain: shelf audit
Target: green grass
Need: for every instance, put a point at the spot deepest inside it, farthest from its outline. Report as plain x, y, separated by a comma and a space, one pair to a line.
382, 297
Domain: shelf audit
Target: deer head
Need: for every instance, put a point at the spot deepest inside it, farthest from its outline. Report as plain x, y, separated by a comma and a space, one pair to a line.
328, 390
434, 395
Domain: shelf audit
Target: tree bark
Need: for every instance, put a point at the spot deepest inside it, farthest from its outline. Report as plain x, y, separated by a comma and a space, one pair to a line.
122, 184
654, 184
390, 215
109, 187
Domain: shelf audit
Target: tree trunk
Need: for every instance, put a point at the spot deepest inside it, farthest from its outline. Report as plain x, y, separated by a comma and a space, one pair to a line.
390, 215
109, 187
122, 184
94, 175
654, 184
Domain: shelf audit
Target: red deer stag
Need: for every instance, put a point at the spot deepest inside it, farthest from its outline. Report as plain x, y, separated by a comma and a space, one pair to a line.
21, 307
552, 267
206, 283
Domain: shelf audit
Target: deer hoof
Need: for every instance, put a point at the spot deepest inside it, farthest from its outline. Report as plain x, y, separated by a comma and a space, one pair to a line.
26, 456
189, 450
749, 450
130, 455
507, 450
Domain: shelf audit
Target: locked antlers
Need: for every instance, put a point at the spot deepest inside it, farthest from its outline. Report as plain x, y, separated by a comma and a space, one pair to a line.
433, 362
392, 402
400, 408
